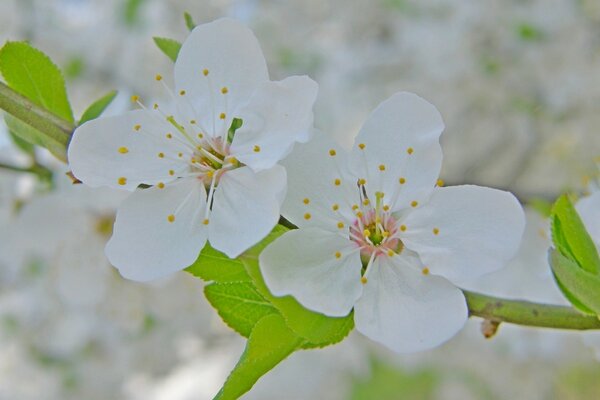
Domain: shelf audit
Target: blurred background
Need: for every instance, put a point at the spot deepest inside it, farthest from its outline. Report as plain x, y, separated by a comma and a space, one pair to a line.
518, 85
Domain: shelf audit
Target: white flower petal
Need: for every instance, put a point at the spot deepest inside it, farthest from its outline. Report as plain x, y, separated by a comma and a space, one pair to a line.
406, 310
303, 263
245, 208
147, 243
400, 143
230, 56
589, 211
125, 151
312, 191
278, 114
478, 230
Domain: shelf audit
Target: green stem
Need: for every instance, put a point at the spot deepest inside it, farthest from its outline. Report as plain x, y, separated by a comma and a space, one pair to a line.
528, 313
30, 113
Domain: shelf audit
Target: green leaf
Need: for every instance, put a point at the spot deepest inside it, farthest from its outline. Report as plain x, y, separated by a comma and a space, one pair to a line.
22, 144
582, 286
98, 107
239, 304
571, 238
270, 342
170, 47
318, 329
212, 265
189, 21
131, 11
35, 137
31, 73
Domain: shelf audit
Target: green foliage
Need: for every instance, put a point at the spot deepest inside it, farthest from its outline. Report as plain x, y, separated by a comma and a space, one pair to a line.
189, 21
31, 73
33, 136
571, 238
131, 11
98, 107
389, 383
170, 47
575, 262
528, 32
275, 326
270, 342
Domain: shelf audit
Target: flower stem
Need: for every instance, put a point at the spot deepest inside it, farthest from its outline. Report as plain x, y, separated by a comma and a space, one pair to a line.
38, 117
527, 313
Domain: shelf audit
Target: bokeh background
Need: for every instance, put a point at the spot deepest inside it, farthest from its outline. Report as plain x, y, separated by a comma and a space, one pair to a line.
518, 85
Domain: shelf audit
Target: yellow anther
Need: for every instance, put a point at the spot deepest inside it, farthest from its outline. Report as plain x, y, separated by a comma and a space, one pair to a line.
158, 77
361, 146
381, 167
200, 135
355, 207
410, 150
362, 181
403, 228
160, 185
123, 150
155, 106
169, 136
137, 127
192, 122
256, 148
205, 221
193, 161
332, 152
135, 98
363, 280
182, 92
122, 181
440, 182
425, 271
402, 181
222, 116
414, 203
359, 214
179, 155
170, 218
210, 174
307, 216
366, 233
390, 253
224, 90
436, 231
171, 172
337, 182
161, 155
335, 207
205, 72
306, 200
385, 234
386, 208
338, 254
366, 202
340, 225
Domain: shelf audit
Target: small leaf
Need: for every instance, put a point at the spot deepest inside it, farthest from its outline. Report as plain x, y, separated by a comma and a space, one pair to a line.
31, 73
318, 330
189, 21
239, 304
270, 342
131, 11
571, 238
35, 137
170, 47
98, 107
583, 288
212, 265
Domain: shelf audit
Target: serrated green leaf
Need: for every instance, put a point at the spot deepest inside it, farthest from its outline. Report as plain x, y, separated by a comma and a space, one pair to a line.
189, 21
571, 238
270, 342
98, 107
170, 47
212, 265
318, 329
31, 73
582, 287
35, 137
239, 304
